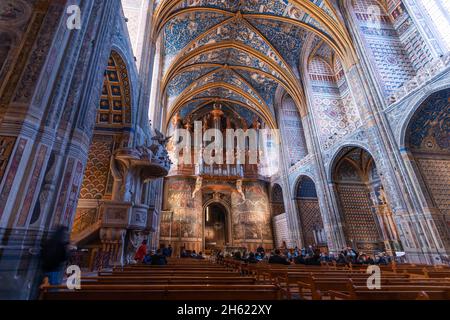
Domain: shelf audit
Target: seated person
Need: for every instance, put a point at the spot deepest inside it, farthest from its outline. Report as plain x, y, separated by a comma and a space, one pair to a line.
166, 252
314, 260
193, 254
237, 255
200, 255
260, 251
183, 254
141, 252
159, 259
251, 258
278, 259
147, 259
299, 260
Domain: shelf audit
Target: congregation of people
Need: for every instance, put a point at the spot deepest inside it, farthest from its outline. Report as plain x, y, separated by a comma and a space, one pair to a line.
159, 257
307, 256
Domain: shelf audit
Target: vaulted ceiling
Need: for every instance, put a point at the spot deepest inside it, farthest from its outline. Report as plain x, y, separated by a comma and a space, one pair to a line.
241, 51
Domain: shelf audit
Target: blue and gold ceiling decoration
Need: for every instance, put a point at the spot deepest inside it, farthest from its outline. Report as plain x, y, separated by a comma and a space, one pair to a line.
115, 102
241, 50
429, 128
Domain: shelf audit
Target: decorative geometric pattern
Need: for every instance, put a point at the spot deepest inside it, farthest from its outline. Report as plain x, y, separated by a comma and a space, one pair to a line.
227, 76
309, 211
252, 25
360, 222
428, 136
115, 101
437, 178
336, 113
83, 219
238, 31
311, 220
306, 188
412, 40
97, 168
288, 39
391, 59
292, 128
357, 184
184, 79
281, 229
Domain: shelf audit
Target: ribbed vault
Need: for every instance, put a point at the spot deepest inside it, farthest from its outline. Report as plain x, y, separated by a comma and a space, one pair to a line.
241, 51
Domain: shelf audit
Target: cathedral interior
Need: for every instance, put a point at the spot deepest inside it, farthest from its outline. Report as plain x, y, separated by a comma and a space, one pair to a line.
93, 94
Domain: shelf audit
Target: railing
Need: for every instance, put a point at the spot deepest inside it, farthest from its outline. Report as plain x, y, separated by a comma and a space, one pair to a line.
83, 221
220, 170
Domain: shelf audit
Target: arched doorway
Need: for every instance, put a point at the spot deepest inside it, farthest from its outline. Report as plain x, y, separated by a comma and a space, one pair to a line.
277, 201
367, 216
216, 230
313, 231
427, 138
280, 228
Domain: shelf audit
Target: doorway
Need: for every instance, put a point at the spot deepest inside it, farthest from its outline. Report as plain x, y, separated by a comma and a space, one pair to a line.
216, 226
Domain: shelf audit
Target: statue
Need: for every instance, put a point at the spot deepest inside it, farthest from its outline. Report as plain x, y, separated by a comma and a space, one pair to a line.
239, 189
158, 148
198, 186
382, 197
159, 136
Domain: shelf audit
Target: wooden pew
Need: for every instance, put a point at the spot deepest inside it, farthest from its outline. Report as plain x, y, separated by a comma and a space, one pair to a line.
324, 285
167, 280
164, 292
394, 292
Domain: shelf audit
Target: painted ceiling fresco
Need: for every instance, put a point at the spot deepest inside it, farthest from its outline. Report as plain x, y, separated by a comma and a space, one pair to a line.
252, 45
429, 129
195, 110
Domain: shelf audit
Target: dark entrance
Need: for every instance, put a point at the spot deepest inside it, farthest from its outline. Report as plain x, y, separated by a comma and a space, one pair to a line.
215, 226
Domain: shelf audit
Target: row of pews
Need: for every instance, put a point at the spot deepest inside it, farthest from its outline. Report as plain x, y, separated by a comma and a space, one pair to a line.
190, 279
348, 282
181, 279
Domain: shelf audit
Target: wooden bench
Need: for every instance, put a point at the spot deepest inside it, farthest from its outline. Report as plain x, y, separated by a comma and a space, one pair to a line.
164, 292
392, 291
167, 280
319, 287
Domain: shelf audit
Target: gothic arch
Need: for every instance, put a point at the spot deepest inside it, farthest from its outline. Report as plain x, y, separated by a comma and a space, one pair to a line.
308, 210
132, 75
277, 200
427, 139
229, 223
291, 124
340, 151
411, 112
367, 217
333, 108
